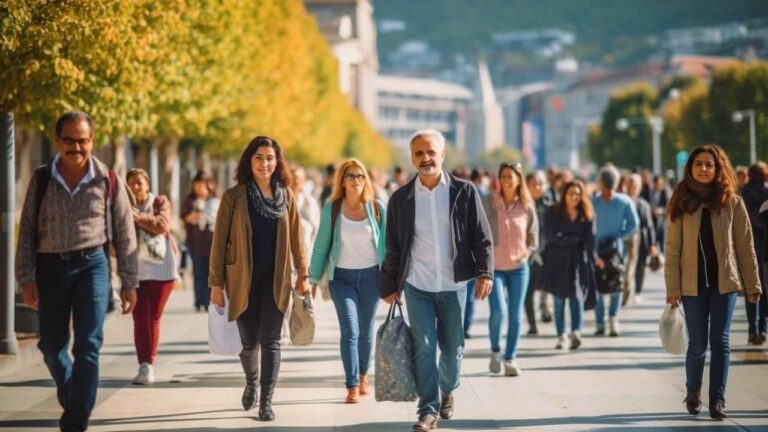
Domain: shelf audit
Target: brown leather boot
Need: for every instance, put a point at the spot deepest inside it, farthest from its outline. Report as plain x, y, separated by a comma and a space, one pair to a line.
353, 395
693, 402
364, 388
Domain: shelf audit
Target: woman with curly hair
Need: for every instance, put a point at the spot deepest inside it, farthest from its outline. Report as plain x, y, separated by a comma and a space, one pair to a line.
257, 242
710, 252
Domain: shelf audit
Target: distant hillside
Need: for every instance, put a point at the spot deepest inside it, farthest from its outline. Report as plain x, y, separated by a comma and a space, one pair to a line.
610, 32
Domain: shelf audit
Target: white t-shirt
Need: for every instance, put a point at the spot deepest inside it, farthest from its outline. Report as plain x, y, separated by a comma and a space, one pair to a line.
357, 248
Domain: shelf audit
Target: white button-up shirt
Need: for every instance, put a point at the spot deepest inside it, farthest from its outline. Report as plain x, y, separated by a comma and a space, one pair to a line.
431, 266
89, 175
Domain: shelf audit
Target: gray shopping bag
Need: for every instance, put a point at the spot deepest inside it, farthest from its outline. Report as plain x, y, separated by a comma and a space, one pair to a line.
395, 379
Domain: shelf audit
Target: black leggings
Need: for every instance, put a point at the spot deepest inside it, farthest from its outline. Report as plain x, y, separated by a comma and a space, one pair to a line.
261, 325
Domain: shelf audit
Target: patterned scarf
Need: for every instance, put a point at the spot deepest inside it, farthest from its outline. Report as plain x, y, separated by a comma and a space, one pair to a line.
269, 208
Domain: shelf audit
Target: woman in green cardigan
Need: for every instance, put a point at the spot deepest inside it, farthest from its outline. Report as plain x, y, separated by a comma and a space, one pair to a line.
349, 249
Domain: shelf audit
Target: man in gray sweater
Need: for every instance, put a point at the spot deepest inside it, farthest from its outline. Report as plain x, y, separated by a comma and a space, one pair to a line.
75, 207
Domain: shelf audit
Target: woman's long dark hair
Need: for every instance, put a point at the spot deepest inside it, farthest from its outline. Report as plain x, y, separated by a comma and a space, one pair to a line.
585, 206
243, 172
210, 184
684, 200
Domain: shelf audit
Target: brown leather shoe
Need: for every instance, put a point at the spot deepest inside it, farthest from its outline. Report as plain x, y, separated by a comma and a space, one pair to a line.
716, 410
364, 389
446, 407
353, 395
426, 423
693, 402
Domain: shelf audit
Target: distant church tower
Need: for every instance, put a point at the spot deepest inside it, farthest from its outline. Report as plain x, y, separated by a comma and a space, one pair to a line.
485, 120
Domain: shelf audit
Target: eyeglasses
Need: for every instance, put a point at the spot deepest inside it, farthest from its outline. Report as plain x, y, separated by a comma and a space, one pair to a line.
352, 177
513, 165
73, 141
707, 165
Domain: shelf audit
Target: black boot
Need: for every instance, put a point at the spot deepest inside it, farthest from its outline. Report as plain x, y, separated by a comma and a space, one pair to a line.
250, 362
693, 402
265, 410
265, 403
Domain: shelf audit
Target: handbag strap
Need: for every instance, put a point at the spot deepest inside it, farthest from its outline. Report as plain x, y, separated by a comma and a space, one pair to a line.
393, 308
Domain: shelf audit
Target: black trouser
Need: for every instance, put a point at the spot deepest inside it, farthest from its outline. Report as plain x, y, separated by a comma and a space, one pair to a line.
530, 311
757, 314
260, 326
640, 272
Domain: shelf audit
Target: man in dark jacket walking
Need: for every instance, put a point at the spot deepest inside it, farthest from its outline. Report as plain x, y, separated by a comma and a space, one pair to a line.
438, 238
646, 237
755, 194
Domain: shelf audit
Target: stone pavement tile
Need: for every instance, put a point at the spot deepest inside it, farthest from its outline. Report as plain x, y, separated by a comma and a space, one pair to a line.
610, 384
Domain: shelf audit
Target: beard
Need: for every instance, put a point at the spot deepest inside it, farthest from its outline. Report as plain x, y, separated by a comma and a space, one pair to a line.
428, 169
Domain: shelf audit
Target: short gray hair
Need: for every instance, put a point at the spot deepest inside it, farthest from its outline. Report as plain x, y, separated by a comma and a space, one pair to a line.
432, 134
609, 177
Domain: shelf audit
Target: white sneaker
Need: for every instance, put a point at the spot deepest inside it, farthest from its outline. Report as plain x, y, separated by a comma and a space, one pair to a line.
638, 299
575, 340
495, 365
146, 374
511, 368
562, 343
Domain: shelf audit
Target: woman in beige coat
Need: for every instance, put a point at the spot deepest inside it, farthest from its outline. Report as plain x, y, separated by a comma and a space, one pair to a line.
257, 238
710, 258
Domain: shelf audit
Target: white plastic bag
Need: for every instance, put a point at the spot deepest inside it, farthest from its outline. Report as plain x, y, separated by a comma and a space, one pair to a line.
673, 331
223, 335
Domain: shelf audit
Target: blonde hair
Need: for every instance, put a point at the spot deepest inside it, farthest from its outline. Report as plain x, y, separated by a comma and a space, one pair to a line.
339, 193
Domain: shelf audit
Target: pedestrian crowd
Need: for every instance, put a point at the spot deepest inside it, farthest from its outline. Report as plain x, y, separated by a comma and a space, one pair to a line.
436, 242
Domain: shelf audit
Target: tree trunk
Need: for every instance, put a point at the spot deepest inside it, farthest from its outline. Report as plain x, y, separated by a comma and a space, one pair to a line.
169, 184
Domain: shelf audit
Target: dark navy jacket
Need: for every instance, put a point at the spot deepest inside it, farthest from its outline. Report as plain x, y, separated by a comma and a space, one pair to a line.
472, 243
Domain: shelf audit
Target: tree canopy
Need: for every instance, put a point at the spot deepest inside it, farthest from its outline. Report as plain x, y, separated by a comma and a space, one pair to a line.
217, 72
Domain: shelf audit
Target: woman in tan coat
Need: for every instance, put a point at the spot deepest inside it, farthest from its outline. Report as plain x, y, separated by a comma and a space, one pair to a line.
709, 253
256, 239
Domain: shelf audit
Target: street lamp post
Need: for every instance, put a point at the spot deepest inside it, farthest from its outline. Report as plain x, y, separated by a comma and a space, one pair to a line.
738, 117
656, 124
576, 123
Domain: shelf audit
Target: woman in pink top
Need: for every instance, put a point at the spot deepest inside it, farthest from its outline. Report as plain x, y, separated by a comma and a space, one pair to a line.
512, 217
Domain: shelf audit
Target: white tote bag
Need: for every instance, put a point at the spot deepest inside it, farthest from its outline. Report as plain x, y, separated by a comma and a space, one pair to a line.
223, 335
673, 331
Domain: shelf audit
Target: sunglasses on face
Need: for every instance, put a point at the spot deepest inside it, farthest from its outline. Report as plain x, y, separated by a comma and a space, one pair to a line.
513, 165
352, 177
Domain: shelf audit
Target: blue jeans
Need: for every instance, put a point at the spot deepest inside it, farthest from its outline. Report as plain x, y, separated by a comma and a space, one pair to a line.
355, 294
469, 309
577, 314
436, 319
757, 314
200, 265
76, 289
613, 308
516, 284
714, 310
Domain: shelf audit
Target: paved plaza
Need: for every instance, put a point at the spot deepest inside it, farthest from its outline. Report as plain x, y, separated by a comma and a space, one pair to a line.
609, 384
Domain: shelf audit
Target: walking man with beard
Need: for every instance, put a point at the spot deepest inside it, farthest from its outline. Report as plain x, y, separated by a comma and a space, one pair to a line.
438, 238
